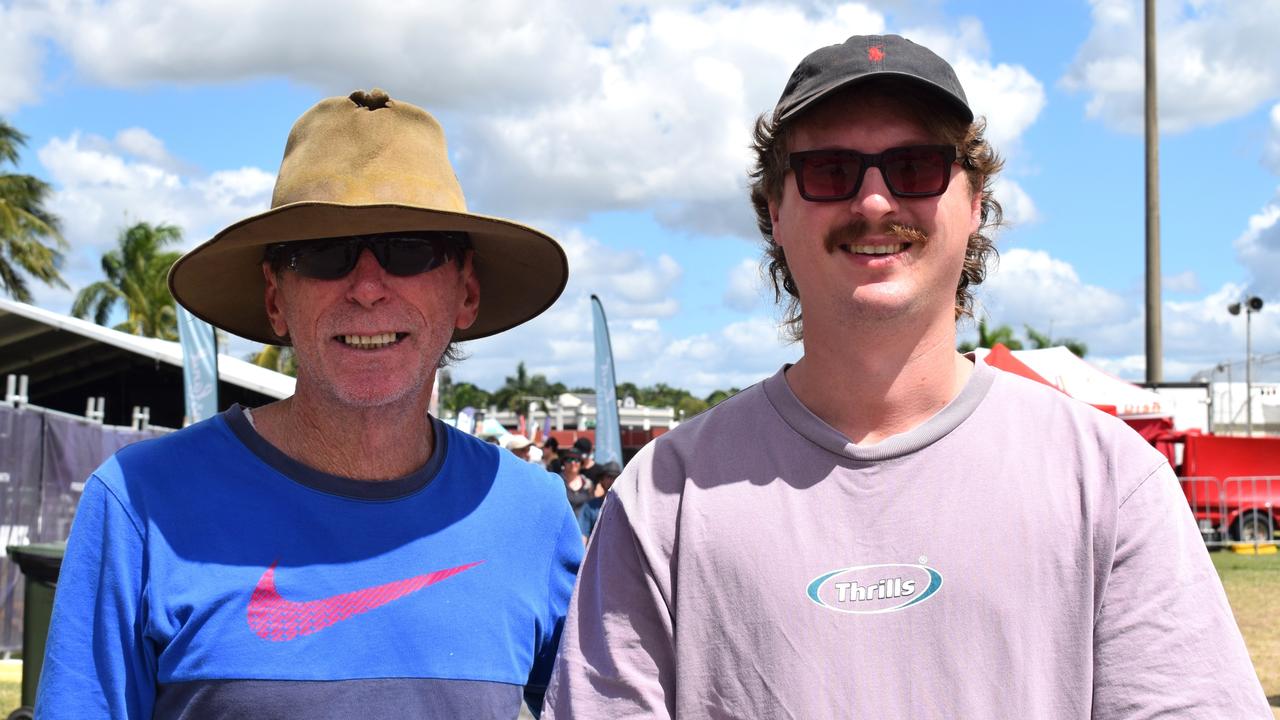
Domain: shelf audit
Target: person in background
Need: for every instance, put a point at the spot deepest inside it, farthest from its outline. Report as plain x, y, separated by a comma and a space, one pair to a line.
551, 454
606, 473
519, 445
339, 553
887, 528
584, 447
576, 485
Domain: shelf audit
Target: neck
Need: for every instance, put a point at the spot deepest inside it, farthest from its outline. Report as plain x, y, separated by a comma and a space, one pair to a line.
878, 381
373, 443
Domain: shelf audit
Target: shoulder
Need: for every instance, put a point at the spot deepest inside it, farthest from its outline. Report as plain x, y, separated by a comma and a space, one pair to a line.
725, 424
529, 482
653, 482
168, 453
1026, 413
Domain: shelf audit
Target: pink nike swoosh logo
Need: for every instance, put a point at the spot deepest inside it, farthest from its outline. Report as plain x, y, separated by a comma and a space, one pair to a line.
275, 618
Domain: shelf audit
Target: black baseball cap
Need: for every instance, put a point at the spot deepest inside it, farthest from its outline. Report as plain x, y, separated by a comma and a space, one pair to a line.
863, 57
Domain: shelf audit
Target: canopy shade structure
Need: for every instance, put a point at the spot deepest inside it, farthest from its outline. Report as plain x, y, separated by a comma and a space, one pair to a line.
1083, 381
69, 360
1063, 369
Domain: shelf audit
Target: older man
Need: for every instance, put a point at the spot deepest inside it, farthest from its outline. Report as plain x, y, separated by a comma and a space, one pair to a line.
887, 529
340, 553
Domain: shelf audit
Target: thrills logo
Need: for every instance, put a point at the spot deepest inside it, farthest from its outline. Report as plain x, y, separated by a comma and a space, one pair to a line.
875, 589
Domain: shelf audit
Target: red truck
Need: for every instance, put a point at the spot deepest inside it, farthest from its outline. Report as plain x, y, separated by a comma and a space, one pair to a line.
1232, 485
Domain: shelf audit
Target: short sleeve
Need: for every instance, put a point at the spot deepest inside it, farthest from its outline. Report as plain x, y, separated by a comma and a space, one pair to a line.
561, 573
1165, 641
618, 656
98, 663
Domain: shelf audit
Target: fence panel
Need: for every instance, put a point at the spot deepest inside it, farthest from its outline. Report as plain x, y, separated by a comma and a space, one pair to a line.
21, 461
45, 457
1208, 504
1252, 504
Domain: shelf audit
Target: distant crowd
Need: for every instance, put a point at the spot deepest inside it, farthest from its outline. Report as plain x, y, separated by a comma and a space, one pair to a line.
586, 482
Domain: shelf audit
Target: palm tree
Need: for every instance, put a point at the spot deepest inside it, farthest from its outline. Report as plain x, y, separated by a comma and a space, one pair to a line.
517, 391
1040, 341
137, 272
30, 241
990, 337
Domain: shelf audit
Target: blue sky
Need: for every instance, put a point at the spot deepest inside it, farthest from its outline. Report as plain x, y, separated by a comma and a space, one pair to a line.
621, 129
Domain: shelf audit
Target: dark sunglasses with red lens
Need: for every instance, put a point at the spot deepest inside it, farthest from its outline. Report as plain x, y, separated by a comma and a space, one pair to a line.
400, 253
912, 171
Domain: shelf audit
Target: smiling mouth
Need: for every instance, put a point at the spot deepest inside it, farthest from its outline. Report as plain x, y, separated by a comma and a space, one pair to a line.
371, 342
875, 249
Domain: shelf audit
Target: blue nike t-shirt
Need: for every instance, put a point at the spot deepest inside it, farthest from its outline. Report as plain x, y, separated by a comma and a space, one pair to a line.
210, 575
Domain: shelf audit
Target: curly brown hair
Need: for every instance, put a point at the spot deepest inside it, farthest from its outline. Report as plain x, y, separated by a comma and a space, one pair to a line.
979, 160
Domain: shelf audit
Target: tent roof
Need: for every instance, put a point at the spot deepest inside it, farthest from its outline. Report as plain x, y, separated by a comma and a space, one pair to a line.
1063, 369
63, 352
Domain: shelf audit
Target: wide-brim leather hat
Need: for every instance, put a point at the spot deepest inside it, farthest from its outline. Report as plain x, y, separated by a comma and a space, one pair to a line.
360, 165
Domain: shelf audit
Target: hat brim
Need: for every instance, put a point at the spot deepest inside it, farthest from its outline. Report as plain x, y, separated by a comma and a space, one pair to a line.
521, 270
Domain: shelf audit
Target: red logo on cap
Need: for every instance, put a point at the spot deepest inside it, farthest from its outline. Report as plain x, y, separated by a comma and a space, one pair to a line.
875, 53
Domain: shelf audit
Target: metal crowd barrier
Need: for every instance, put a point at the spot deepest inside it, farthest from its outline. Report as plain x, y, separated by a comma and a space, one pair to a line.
1235, 511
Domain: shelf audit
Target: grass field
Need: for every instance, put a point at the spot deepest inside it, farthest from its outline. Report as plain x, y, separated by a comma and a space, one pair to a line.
1252, 585
10, 686
1253, 588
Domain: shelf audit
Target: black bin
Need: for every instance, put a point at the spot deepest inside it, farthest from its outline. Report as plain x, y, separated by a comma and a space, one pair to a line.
40, 564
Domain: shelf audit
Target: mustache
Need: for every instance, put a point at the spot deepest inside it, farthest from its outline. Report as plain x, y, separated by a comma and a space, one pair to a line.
851, 233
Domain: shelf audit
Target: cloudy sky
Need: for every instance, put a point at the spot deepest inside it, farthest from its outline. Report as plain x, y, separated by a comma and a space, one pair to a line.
622, 129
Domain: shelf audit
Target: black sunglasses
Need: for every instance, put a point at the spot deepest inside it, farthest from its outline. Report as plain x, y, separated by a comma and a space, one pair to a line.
912, 171
399, 253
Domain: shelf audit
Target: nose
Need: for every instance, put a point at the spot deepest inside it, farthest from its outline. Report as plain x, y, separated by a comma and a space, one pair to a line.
366, 285
873, 201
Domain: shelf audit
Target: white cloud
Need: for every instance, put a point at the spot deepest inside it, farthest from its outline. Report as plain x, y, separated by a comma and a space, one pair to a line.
557, 109
1203, 331
667, 121
1183, 282
630, 285
1030, 287
142, 145
637, 291
20, 57
1216, 60
559, 345
99, 192
1271, 153
1258, 249
1033, 288
1019, 209
737, 355
746, 286
1134, 367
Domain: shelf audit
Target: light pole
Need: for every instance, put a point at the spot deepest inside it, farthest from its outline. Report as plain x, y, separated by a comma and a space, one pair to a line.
1252, 304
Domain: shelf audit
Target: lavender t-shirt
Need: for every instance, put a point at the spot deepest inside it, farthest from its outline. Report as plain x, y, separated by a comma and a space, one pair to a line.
1018, 555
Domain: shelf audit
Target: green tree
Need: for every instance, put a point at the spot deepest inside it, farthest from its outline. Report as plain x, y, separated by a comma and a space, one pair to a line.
137, 275
519, 390
1040, 341
689, 406
628, 390
30, 239
276, 357
990, 337
718, 396
464, 394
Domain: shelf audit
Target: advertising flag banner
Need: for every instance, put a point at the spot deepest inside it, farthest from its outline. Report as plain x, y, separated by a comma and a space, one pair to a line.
608, 447
466, 421
199, 366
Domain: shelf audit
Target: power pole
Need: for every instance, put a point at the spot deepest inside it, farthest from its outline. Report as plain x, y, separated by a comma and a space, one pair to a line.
1155, 363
